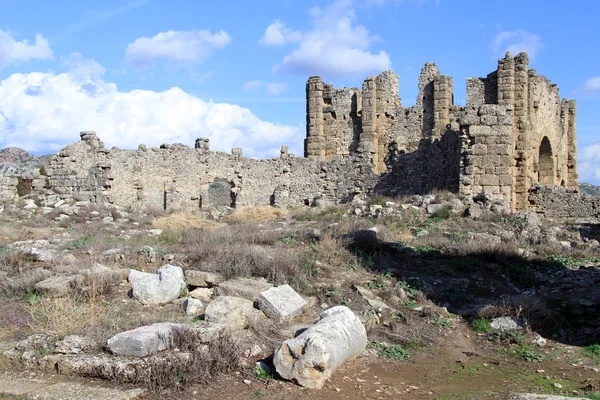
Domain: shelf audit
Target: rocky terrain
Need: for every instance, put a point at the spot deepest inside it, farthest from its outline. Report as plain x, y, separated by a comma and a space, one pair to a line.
424, 297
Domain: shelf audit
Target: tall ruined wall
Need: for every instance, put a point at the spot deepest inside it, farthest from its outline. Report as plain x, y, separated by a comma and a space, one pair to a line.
181, 177
403, 145
543, 128
513, 133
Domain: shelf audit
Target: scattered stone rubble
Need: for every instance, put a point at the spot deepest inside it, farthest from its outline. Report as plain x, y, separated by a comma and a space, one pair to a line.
337, 327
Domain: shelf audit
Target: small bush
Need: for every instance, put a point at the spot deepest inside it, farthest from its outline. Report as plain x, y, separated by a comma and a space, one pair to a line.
443, 213
481, 325
529, 354
24, 186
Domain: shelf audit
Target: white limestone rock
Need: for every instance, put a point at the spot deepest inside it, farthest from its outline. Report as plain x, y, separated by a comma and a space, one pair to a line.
202, 278
59, 286
311, 358
74, 344
231, 311
281, 303
203, 294
142, 341
193, 307
160, 288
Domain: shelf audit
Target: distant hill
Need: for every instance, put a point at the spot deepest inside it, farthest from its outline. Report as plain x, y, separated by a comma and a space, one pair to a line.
588, 188
21, 158
16, 156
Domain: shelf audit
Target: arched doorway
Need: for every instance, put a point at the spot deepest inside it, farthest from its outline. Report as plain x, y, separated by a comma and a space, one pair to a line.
546, 171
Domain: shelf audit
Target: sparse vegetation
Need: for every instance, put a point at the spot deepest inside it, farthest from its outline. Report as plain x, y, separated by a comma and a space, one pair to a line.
415, 265
395, 352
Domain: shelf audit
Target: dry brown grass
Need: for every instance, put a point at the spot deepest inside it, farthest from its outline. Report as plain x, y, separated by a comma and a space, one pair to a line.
183, 221
534, 311
334, 252
256, 214
247, 250
63, 316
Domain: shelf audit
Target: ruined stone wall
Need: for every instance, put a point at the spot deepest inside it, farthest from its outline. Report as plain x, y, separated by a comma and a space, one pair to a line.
559, 202
180, 177
543, 135
403, 145
513, 133
486, 151
8, 189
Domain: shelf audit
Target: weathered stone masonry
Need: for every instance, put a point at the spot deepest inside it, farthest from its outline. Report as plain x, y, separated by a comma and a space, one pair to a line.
513, 134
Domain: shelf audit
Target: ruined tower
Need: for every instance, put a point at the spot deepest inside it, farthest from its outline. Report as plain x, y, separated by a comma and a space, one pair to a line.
513, 133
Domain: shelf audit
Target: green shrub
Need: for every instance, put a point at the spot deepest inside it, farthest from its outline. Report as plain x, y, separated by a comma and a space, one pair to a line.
481, 325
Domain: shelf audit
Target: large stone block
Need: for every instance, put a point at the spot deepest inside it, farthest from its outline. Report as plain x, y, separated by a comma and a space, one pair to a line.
281, 303
242, 287
202, 278
312, 357
162, 287
59, 286
231, 311
142, 341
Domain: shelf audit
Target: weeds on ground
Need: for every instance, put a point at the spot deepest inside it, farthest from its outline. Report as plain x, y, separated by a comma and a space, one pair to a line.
395, 352
481, 325
592, 351
529, 354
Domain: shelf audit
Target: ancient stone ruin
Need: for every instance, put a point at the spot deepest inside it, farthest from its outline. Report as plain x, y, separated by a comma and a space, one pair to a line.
514, 134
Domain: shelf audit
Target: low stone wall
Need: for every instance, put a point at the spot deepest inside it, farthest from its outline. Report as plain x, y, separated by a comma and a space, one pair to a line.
558, 202
187, 178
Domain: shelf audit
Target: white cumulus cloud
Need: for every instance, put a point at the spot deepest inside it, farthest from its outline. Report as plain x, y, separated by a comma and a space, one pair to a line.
277, 34
42, 112
516, 42
175, 46
335, 46
591, 86
589, 164
12, 51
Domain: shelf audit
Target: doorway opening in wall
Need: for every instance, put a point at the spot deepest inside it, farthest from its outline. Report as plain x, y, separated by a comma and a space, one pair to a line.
220, 194
546, 163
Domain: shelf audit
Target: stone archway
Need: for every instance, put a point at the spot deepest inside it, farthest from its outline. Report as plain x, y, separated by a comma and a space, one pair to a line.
546, 170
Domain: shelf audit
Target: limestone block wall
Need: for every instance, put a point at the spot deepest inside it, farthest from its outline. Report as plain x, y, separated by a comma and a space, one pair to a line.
513, 133
486, 151
543, 128
180, 177
559, 202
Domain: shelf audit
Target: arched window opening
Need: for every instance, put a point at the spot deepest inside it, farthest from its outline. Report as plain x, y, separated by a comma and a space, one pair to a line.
546, 163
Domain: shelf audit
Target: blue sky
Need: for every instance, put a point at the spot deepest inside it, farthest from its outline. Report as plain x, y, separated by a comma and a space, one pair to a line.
157, 71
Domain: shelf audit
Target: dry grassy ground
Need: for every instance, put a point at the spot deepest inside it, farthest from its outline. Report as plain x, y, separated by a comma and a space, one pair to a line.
444, 278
